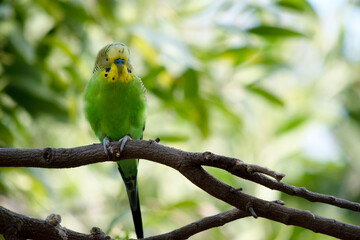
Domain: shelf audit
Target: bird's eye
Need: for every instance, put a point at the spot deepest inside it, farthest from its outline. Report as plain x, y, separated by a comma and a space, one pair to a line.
119, 60
106, 59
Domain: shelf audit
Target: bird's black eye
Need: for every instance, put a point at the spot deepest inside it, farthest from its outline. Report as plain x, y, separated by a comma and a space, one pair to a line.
119, 60
106, 59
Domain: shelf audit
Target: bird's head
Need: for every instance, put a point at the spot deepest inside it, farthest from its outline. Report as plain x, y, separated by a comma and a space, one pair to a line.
113, 61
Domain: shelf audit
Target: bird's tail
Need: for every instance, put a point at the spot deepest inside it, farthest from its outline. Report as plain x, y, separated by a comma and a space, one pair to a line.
133, 196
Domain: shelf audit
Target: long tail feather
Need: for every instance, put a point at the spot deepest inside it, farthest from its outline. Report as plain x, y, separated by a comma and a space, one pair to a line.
133, 196
136, 213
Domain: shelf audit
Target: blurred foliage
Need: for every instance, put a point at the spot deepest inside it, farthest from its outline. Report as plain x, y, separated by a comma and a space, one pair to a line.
274, 83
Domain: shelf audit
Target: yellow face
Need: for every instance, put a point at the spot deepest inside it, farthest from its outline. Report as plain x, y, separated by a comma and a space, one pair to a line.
114, 63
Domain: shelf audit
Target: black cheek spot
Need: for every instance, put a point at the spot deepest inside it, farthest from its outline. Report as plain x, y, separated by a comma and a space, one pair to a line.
113, 78
105, 74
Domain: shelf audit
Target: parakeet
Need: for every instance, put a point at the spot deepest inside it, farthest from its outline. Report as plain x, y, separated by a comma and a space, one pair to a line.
115, 106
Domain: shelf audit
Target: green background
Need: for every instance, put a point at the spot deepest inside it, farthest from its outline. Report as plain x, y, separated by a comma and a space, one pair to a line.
274, 83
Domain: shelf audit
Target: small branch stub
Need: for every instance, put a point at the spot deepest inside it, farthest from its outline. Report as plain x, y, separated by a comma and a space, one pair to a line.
53, 219
98, 234
251, 210
47, 154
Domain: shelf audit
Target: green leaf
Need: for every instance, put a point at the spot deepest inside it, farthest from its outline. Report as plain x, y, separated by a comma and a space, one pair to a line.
241, 54
36, 98
291, 124
22, 46
274, 32
195, 112
191, 84
227, 111
186, 203
297, 5
354, 115
266, 94
173, 138
6, 137
74, 11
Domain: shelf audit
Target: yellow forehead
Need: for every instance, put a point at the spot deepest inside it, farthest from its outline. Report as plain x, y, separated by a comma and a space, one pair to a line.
119, 51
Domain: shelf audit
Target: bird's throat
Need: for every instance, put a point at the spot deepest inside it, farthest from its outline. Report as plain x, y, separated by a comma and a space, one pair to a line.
118, 74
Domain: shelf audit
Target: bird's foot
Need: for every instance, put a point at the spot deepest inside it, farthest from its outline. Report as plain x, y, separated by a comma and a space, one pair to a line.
109, 151
107, 148
122, 143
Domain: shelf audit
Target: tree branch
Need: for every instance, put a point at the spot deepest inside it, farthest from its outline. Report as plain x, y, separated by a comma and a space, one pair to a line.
246, 171
202, 225
84, 155
20, 227
51, 228
189, 165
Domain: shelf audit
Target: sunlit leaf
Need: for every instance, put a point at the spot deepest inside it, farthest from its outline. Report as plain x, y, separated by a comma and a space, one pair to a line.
226, 110
242, 54
183, 204
173, 138
266, 94
297, 5
275, 32
291, 124
191, 84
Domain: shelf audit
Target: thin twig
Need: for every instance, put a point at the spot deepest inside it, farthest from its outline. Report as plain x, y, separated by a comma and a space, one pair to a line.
241, 169
202, 225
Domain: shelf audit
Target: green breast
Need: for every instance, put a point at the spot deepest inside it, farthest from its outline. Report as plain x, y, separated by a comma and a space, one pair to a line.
115, 109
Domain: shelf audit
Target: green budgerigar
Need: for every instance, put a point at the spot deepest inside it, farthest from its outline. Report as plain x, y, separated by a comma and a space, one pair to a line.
115, 106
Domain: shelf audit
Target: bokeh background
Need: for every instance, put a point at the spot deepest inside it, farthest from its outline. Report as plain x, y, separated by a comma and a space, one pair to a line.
274, 83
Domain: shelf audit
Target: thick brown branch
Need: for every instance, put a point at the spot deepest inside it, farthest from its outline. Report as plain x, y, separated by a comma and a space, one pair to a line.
17, 226
75, 157
189, 164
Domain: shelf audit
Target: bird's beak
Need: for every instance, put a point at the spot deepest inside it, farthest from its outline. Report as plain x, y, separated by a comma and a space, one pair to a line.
119, 66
